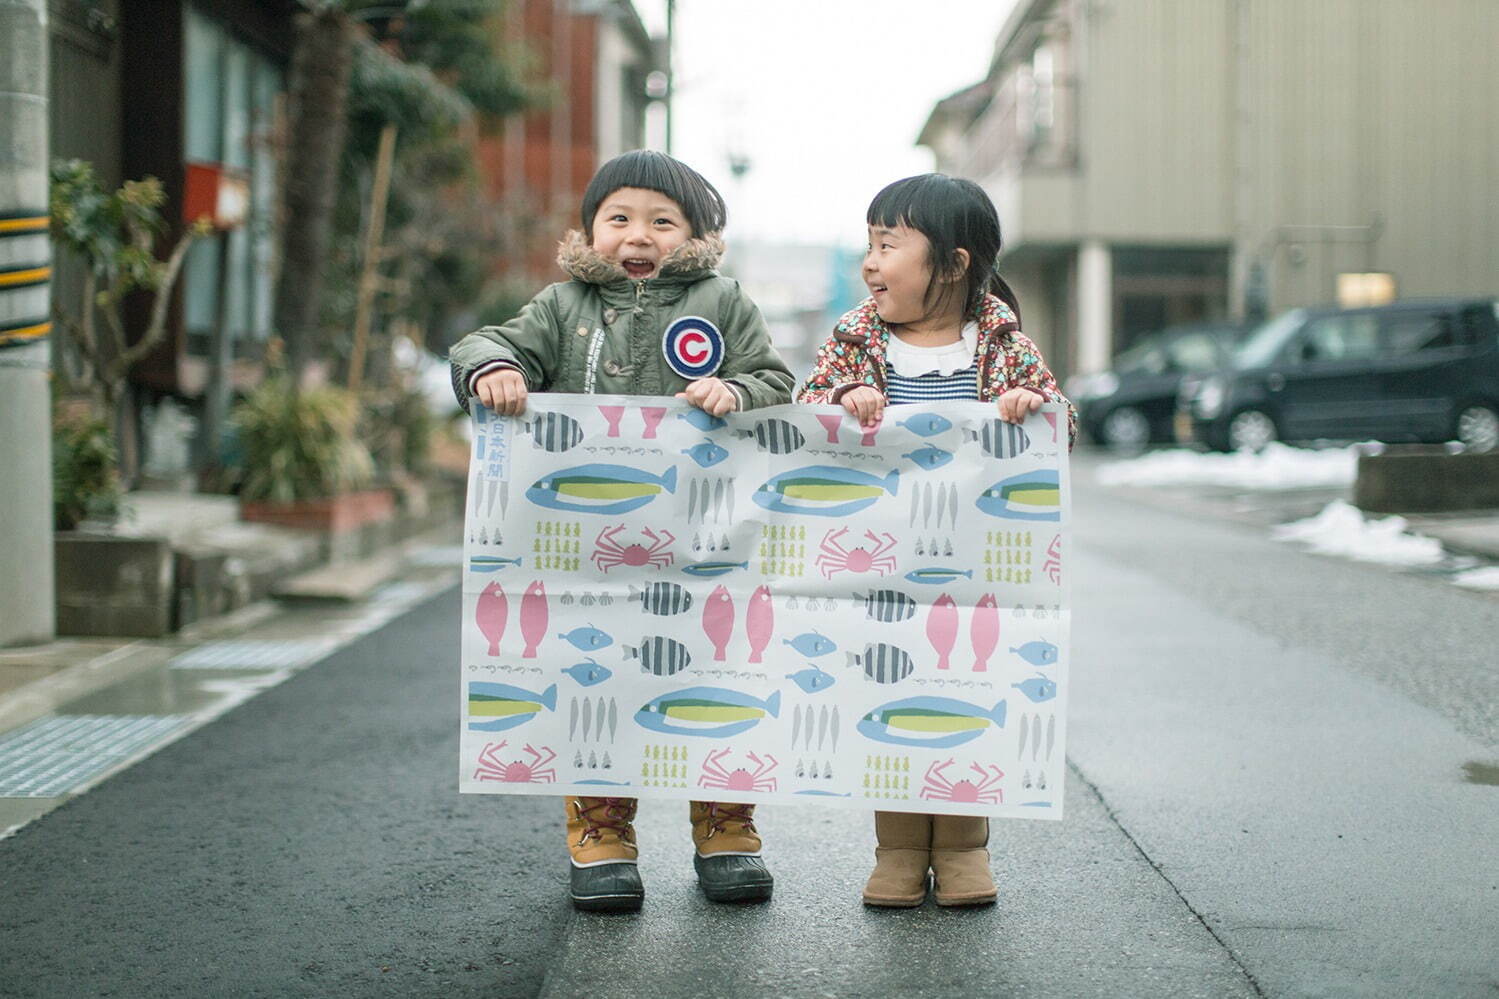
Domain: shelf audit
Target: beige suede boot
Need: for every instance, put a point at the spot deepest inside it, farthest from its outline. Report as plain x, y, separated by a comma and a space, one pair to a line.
901, 859
960, 860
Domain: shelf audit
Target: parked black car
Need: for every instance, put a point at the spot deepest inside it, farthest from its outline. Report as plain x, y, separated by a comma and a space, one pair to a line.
1413, 371
1133, 403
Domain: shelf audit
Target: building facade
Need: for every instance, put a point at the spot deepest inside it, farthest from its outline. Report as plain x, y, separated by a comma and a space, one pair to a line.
1164, 161
595, 58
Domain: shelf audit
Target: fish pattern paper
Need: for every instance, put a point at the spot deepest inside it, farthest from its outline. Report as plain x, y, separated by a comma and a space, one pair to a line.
776, 606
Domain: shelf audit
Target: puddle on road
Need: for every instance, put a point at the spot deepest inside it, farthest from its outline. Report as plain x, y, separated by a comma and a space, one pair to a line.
1475, 772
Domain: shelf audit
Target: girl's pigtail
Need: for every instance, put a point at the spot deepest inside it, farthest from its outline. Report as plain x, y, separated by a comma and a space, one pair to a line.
1000, 287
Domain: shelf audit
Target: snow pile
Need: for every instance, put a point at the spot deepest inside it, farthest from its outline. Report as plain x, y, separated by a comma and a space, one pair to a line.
1340, 529
1479, 579
1276, 467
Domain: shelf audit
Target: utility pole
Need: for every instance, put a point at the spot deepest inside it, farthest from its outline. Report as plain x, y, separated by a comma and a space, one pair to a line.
27, 601
671, 16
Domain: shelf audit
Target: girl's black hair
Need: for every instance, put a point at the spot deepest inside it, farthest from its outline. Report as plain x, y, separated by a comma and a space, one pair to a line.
953, 214
653, 171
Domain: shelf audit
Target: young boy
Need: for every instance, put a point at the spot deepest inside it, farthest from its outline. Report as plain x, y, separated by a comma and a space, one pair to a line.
644, 313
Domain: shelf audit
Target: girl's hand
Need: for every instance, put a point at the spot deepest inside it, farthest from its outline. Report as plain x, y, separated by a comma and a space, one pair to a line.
865, 403
712, 395
1018, 403
503, 391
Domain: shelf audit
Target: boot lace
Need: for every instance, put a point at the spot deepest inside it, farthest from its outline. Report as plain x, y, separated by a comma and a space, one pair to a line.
605, 815
720, 813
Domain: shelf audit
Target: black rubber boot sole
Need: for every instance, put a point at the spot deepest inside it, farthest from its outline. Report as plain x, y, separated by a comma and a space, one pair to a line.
731, 878
606, 888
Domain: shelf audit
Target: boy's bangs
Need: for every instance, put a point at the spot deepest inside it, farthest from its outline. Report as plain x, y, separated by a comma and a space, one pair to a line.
653, 171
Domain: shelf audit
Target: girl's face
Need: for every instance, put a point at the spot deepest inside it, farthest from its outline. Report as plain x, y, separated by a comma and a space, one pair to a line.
898, 271
637, 228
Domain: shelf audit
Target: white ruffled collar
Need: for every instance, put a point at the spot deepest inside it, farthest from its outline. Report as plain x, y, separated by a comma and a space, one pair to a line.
912, 362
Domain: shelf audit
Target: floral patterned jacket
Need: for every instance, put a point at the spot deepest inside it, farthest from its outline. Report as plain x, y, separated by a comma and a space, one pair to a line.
855, 355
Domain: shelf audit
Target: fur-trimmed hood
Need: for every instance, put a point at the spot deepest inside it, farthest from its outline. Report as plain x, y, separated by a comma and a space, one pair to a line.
697, 257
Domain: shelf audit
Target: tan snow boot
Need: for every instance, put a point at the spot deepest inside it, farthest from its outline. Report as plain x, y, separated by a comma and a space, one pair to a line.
601, 839
960, 860
727, 858
901, 859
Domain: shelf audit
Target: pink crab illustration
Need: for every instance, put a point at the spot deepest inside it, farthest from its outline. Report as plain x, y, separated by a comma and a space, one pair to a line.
611, 553
936, 786
835, 558
491, 767
714, 775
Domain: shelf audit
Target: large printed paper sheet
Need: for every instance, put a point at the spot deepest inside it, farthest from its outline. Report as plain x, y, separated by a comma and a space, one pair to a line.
770, 606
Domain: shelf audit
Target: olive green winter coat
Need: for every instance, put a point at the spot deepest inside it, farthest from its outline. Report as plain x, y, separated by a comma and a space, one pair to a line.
602, 333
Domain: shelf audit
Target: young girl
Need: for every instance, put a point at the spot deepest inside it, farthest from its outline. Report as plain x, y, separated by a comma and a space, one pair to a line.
643, 314
940, 324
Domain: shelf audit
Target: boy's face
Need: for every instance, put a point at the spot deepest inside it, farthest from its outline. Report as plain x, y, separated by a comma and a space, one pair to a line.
897, 271
637, 228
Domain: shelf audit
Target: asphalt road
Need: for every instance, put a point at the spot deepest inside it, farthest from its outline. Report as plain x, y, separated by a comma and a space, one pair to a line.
1268, 794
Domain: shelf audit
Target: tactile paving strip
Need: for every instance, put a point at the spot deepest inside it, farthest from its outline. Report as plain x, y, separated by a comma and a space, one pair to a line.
285, 654
54, 756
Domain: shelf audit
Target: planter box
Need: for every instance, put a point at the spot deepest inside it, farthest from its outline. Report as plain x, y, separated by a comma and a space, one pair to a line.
108, 585
334, 515
1420, 479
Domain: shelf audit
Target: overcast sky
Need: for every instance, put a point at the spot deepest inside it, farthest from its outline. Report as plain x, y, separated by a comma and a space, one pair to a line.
824, 97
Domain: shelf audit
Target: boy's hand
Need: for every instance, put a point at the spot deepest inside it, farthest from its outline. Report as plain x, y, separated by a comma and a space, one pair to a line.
1018, 403
503, 391
712, 395
867, 404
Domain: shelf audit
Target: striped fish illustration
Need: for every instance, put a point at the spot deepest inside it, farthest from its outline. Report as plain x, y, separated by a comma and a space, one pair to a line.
499, 706
555, 432
1000, 439
658, 655
930, 722
713, 712
1029, 496
825, 490
887, 605
883, 663
601, 488
662, 599
936, 574
775, 436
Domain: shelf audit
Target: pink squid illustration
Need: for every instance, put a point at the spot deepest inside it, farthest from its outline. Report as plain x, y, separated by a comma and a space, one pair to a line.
830, 422
984, 630
490, 615
613, 414
942, 628
718, 621
533, 617
652, 415
759, 621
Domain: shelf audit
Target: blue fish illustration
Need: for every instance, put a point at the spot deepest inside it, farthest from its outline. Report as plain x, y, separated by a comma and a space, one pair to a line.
714, 712
1029, 496
926, 424
1037, 653
491, 563
587, 639
937, 575
811, 679
601, 488
930, 722
707, 454
825, 490
606, 783
588, 672
929, 457
703, 421
811, 644
826, 794
494, 707
707, 570
1037, 688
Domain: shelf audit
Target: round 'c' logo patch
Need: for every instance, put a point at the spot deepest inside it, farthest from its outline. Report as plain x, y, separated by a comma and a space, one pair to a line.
693, 347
